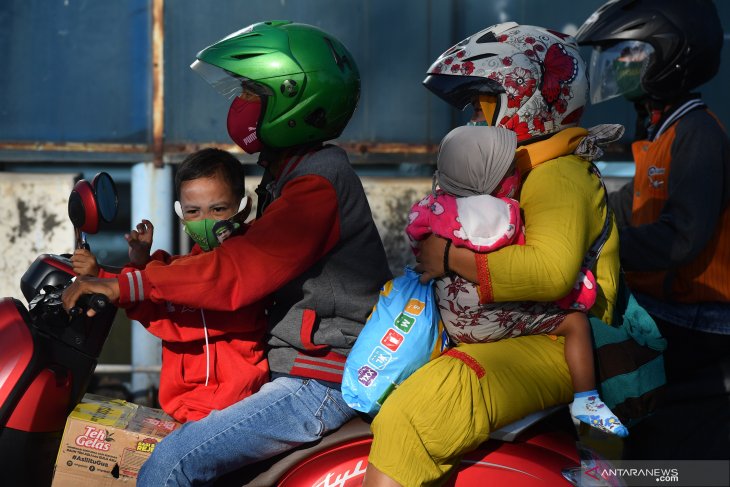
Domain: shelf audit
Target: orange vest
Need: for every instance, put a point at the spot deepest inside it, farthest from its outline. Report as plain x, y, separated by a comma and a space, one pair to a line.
707, 276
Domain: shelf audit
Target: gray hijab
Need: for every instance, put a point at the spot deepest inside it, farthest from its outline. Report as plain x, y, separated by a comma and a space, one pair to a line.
473, 159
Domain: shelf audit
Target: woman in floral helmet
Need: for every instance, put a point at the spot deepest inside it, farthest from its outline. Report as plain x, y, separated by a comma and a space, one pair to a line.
532, 81
527, 79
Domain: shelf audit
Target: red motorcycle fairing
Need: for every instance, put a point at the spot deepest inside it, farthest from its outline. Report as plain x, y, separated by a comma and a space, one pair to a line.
29, 398
17, 350
341, 466
38, 409
516, 465
513, 464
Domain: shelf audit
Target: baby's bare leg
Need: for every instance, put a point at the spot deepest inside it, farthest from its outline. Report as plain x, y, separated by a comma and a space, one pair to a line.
587, 405
578, 350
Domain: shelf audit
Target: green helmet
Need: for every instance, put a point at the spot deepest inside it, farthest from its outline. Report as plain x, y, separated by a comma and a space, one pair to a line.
308, 81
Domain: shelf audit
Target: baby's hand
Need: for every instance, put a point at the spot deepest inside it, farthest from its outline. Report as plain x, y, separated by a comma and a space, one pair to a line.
140, 243
84, 263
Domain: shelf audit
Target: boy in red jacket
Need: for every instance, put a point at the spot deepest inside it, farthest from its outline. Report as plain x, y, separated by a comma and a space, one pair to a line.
210, 359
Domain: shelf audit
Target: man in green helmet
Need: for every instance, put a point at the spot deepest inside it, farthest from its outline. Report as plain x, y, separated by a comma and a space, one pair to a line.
314, 248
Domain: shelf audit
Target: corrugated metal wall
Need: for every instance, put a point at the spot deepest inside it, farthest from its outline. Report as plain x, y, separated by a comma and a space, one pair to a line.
77, 71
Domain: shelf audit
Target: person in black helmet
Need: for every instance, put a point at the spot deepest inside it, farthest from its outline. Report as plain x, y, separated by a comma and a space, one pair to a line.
674, 216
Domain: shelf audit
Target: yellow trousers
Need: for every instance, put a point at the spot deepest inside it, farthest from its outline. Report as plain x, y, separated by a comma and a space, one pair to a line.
449, 406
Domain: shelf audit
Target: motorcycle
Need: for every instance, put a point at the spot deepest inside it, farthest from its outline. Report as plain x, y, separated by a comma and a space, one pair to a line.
49, 356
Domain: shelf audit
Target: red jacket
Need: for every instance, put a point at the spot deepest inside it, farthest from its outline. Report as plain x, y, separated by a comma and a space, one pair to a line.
315, 249
233, 362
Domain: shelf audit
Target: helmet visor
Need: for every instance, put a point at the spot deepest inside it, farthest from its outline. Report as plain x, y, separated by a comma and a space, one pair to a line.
618, 70
461, 91
226, 83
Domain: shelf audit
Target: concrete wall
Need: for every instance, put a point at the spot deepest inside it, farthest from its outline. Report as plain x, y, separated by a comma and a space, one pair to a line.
33, 220
390, 200
33, 212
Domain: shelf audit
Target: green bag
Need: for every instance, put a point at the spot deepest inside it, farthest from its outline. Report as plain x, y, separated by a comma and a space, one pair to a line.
629, 360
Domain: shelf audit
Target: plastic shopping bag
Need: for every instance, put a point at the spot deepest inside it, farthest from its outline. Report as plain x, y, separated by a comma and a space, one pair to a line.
403, 332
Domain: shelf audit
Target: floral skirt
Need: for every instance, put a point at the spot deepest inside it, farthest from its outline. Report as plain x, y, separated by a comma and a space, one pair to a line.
467, 321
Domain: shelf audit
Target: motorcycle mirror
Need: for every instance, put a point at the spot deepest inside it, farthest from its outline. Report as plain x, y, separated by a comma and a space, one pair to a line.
82, 208
105, 192
90, 202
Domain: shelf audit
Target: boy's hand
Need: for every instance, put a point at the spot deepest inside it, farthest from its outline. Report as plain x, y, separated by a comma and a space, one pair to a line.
84, 263
140, 242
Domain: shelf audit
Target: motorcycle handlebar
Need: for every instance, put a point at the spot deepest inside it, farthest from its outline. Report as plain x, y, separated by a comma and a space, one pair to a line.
97, 302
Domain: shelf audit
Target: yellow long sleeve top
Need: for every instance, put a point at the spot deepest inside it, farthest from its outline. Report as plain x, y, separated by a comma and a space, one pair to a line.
564, 211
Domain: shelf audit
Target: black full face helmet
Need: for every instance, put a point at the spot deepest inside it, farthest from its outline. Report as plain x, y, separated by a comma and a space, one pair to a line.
659, 48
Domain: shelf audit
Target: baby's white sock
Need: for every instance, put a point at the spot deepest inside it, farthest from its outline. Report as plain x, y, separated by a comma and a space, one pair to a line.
588, 408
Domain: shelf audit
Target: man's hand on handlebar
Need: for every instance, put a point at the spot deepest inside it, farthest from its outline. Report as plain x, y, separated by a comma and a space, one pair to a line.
90, 285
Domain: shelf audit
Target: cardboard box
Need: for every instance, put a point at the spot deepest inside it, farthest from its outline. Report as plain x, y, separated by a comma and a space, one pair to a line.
106, 441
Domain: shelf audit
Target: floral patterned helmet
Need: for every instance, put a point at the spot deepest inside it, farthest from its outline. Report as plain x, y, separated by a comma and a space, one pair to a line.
534, 78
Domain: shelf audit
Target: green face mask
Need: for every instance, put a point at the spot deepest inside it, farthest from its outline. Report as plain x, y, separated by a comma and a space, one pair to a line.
210, 233
201, 231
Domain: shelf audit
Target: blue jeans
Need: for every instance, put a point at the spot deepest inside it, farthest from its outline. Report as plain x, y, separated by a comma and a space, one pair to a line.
285, 413
705, 317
